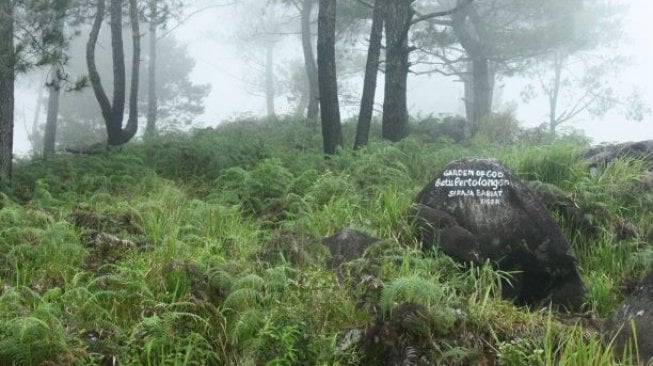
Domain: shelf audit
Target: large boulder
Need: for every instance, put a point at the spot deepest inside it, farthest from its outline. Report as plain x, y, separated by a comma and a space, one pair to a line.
635, 314
476, 210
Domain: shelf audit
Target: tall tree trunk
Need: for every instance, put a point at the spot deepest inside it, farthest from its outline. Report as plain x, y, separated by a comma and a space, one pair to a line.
482, 90
398, 14
132, 122
309, 61
114, 128
54, 90
7, 77
328, 82
269, 81
114, 114
369, 83
152, 103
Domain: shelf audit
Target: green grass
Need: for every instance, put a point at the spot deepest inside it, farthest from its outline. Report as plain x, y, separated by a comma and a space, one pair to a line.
210, 254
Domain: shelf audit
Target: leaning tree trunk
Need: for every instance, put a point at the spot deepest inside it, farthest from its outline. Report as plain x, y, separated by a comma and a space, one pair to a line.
309, 62
328, 82
114, 113
152, 102
398, 14
369, 83
7, 78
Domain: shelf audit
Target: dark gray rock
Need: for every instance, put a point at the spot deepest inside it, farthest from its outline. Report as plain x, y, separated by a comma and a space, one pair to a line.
347, 245
476, 210
636, 311
601, 155
456, 128
563, 203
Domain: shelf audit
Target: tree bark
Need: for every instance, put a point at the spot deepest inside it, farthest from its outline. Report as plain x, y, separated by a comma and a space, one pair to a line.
309, 61
398, 15
269, 81
369, 82
114, 114
132, 122
328, 83
152, 103
7, 77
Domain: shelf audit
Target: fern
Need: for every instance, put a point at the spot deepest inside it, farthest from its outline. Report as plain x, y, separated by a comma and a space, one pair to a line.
413, 289
242, 298
244, 327
251, 281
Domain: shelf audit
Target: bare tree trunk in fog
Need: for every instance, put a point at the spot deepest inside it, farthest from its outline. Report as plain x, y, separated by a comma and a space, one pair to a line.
54, 90
482, 90
468, 86
309, 61
33, 136
554, 121
398, 15
328, 82
369, 83
113, 113
481, 85
301, 106
269, 81
7, 78
152, 103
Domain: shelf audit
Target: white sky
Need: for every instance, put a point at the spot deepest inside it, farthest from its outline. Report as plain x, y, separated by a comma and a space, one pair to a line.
219, 63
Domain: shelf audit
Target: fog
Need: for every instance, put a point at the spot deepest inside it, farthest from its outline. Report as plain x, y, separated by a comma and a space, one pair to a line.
228, 66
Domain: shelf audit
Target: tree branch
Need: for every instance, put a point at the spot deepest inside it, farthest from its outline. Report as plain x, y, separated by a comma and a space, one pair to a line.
181, 22
440, 13
371, 6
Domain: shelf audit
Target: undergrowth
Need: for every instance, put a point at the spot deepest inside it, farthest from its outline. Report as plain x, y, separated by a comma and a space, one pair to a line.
204, 249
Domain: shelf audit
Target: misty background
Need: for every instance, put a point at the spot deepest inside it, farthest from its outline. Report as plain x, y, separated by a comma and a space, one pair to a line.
221, 39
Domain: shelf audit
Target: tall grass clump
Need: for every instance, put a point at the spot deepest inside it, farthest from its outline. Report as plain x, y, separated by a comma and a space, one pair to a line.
558, 163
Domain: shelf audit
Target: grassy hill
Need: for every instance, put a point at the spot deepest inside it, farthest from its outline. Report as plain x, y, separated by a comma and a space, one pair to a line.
204, 249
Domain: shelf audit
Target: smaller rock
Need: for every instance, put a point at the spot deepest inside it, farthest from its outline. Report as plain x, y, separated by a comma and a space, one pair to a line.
636, 311
456, 128
460, 244
347, 245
